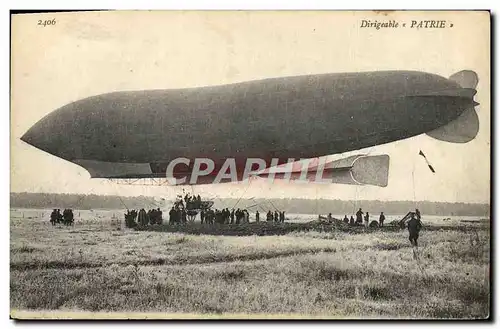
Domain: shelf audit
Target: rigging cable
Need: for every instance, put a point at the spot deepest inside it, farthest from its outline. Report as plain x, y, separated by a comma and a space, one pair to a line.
248, 186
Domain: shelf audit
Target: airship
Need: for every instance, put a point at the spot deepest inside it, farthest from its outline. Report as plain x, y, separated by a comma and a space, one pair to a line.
138, 134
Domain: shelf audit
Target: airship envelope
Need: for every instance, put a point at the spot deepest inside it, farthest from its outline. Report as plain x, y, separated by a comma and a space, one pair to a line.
137, 134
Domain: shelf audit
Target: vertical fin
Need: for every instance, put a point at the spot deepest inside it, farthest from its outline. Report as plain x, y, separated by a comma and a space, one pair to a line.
466, 79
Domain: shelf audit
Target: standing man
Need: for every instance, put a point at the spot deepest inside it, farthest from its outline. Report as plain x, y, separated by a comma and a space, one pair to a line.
172, 216
381, 219
367, 219
414, 226
183, 216
359, 216
257, 216
351, 221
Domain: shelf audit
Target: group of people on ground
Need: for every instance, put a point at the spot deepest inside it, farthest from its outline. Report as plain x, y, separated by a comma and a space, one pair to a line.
277, 217
225, 216
67, 217
365, 220
143, 218
414, 224
361, 220
180, 214
187, 207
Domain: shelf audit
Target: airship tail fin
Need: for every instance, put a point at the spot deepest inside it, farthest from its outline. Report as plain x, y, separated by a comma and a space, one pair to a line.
371, 170
461, 130
466, 126
360, 170
353, 170
466, 79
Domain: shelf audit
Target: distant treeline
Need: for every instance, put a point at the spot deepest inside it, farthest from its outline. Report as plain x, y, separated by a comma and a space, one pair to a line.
79, 201
301, 206
341, 207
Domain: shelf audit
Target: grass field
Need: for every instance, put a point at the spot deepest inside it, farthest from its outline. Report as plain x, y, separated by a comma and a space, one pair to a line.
102, 267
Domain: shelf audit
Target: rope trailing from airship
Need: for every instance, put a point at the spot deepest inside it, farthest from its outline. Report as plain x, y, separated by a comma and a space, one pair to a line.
118, 194
272, 204
413, 184
317, 206
427, 161
249, 182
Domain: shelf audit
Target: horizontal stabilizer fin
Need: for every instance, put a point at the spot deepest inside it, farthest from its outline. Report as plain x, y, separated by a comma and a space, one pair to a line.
353, 170
461, 130
371, 170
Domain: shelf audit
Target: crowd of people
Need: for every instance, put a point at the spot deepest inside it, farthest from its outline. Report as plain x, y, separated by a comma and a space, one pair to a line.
277, 216
143, 218
363, 219
67, 217
412, 221
188, 207
224, 216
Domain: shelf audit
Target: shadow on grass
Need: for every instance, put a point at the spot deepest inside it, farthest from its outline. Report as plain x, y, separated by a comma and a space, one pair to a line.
176, 260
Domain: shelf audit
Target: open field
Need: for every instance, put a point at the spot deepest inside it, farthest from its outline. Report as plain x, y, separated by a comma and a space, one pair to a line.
99, 266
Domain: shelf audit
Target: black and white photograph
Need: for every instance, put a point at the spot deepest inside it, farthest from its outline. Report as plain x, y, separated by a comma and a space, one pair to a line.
189, 164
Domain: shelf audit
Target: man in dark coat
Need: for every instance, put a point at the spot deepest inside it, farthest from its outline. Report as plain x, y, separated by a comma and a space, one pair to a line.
414, 226
172, 216
381, 219
359, 216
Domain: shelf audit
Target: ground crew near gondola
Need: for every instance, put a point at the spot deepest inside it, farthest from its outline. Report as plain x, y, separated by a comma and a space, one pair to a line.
53, 217
159, 216
172, 214
183, 216
359, 216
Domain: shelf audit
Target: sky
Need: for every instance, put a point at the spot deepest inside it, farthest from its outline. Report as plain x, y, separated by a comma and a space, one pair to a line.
87, 54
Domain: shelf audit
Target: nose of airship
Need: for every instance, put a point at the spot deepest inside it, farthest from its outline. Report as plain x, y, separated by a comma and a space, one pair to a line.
39, 136
52, 134
28, 138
